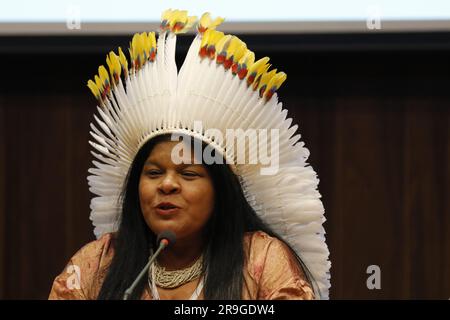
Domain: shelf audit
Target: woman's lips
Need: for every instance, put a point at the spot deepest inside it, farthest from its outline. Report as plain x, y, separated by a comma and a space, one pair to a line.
166, 208
166, 212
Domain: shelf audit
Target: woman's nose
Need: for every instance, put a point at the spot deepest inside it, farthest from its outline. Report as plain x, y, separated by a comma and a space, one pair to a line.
169, 184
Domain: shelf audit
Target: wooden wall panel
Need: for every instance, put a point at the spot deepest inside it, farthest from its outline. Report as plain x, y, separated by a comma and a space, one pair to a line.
47, 199
3, 242
361, 167
426, 166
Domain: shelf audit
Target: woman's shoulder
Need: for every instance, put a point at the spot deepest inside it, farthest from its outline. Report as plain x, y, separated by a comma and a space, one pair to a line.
260, 238
260, 244
258, 247
98, 248
85, 270
272, 270
96, 255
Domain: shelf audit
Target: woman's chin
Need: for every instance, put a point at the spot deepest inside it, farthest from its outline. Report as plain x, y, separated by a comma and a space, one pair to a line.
160, 225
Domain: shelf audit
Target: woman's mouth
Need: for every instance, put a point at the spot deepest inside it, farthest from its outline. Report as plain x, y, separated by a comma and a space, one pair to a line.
166, 208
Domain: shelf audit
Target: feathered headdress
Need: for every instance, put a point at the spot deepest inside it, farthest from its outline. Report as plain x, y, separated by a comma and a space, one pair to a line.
221, 85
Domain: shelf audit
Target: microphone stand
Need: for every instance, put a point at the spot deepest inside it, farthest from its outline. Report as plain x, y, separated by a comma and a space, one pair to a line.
164, 243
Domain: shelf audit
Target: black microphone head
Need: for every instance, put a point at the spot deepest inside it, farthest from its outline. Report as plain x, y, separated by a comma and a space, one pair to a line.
168, 235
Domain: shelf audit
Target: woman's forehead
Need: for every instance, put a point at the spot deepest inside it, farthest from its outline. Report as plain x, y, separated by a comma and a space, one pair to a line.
175, 153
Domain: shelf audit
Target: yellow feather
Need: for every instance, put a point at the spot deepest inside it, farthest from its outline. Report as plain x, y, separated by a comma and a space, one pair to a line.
248, 59
223, 43
94, 89
177, 16
232, 45
236, 48
152, 38
215, 37
145, 44
108, 61
206, 23
240, 53
217, 21
104, 77
190, 22
277, 81
166, 14
141, 47
98, 82
205, 38
180, 19
259, 66
205, 20
137, 49
123, 60
266, 77
133, 49
114, 65
211, 37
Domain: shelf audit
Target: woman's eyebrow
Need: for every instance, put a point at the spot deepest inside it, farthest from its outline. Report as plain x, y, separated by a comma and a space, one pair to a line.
149, 162
191, 165
181, 165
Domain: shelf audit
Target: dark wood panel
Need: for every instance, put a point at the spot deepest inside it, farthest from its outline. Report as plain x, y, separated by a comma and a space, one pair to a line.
47, 203
35, 207
364, 195
425, 199
444, 184
3, 242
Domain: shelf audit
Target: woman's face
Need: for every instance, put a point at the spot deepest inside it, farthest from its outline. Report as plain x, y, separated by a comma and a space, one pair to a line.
176, 197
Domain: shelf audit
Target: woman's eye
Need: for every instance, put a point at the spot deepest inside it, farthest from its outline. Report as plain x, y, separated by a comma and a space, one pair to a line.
153, 172
190, 174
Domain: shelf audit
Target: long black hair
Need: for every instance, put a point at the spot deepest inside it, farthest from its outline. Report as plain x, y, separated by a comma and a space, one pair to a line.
224, 232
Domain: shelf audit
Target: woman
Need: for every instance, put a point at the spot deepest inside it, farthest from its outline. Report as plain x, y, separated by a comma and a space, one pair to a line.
219, 206
242, 257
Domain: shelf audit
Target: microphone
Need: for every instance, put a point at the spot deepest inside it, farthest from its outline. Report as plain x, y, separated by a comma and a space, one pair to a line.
164, 239
168, 237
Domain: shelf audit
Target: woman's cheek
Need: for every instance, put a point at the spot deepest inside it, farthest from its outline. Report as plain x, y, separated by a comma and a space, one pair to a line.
145, 194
